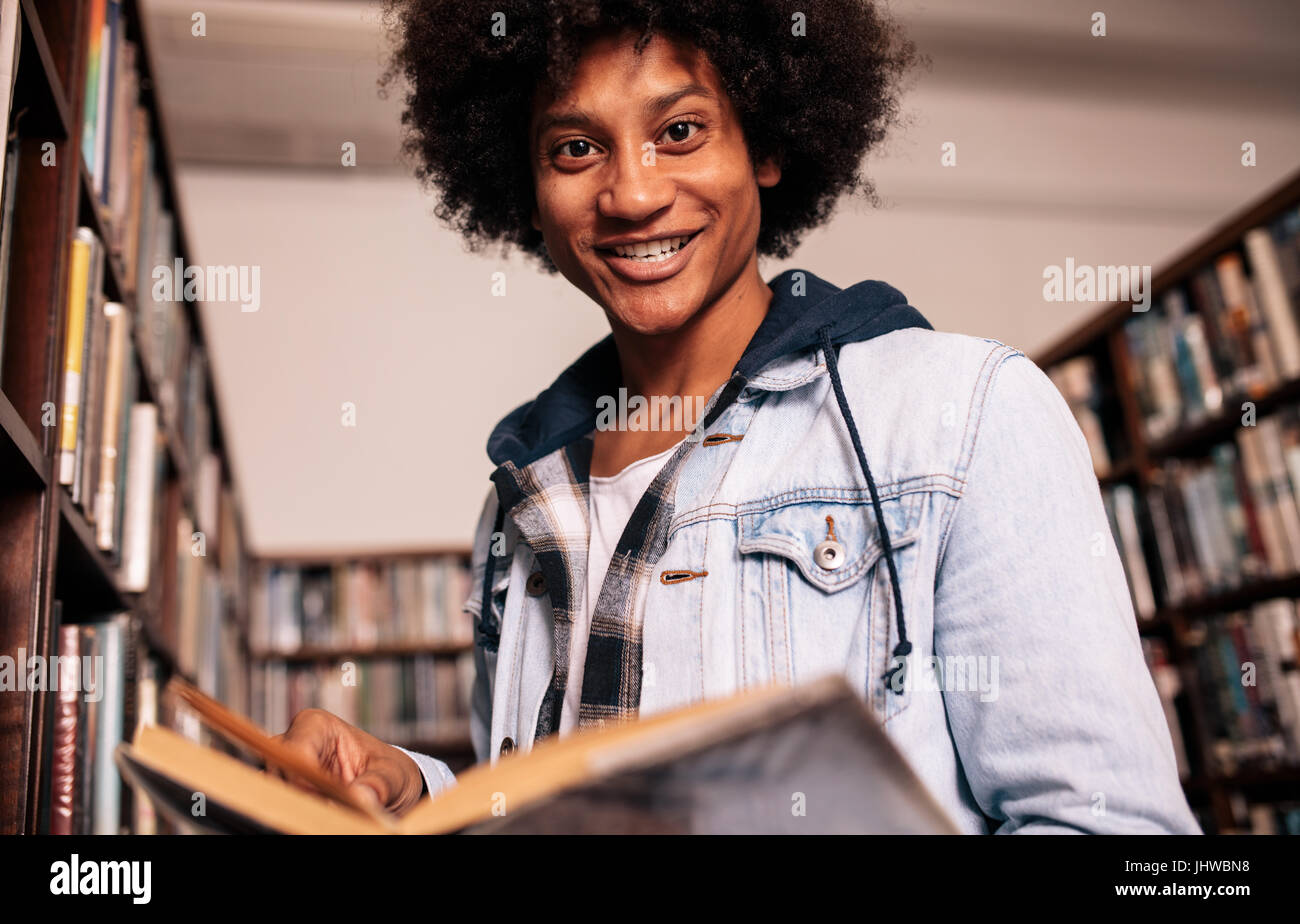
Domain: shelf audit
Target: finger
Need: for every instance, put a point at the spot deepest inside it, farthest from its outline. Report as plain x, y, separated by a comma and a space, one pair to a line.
372, 788
310, 742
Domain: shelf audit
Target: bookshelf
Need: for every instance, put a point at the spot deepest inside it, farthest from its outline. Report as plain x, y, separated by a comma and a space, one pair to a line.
65, 567
1192, 411
378, 638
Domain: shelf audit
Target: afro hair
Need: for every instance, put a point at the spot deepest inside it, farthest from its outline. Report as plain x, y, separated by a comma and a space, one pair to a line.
817, 102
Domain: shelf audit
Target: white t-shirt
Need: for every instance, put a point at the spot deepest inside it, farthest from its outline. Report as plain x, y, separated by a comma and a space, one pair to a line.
612, 500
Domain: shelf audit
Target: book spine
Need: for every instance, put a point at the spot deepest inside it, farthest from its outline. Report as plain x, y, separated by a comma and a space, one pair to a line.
1274, 301
139, 500
1280, 487
145, 819
97, 13
79, 275
92, 407
108, 783
114, 381
67, 716
92, 646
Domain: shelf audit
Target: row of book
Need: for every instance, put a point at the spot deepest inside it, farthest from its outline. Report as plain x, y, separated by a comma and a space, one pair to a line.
358, 604
1245, 665
198, 622
403, 700
1231, 334
1263, 818
1208, 525
111, 446
1078, 382
116, 144
1121, 504
98, 411
120, 153
92, 705
109, 682
1245, 674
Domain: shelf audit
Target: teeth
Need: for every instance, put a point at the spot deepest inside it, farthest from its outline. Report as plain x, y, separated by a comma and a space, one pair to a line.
651, 251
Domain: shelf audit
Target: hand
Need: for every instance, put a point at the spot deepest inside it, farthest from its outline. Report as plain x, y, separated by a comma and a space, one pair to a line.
376, 772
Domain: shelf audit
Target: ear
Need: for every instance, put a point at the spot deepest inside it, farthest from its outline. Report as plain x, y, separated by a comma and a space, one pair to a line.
768, 172
537, 220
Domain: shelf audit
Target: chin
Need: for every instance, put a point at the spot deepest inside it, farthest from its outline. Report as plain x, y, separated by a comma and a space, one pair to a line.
654, 313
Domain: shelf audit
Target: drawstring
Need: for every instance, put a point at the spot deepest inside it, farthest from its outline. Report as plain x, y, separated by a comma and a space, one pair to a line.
489, 633
904, 647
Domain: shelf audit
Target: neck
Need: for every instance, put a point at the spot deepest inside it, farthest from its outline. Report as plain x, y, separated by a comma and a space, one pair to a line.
700, 355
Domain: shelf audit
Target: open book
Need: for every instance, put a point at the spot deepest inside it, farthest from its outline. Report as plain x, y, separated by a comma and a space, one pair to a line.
794, 760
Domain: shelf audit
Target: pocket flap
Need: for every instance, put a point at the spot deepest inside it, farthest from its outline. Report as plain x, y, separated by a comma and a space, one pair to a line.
795, 530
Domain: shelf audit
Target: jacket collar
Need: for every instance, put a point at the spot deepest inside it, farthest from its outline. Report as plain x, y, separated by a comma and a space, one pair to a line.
781, 355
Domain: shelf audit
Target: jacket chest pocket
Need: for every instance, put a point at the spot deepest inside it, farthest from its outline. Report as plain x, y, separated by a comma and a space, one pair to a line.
816, 597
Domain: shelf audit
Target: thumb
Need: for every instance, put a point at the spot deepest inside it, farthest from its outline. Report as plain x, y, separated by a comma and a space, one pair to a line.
373, 788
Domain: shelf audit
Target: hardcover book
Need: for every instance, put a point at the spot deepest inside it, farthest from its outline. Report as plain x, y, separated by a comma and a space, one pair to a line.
790, 760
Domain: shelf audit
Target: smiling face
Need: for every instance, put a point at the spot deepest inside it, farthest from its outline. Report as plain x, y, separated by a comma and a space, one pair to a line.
646, 196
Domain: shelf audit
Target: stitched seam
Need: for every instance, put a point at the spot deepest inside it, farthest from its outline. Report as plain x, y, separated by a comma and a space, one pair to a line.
865, 561
933, 481
785, 619
908, 694
721, 477
743, 613
915, 484
516, 683
796, 379
951, 515
765, 592
964, 455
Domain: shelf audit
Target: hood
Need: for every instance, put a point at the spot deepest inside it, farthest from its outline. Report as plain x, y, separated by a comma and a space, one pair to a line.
802, 305
805, 312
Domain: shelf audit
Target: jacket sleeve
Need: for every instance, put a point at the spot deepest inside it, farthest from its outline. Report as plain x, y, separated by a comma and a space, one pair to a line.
437, 775
1074, 739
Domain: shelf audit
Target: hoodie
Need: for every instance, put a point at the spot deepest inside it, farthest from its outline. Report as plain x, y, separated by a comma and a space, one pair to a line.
546, 441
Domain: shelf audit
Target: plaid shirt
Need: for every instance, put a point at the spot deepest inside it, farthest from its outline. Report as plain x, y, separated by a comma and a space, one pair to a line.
549, 501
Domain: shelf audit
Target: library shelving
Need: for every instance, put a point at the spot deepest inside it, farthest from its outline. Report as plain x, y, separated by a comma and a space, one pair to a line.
1190, 404
378, 638
119, 515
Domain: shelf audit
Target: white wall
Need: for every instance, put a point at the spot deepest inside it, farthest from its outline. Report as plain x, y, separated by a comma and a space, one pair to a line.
1124, 152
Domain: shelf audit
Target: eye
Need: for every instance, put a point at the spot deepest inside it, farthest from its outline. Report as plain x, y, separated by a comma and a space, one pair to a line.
580, 148
679, 131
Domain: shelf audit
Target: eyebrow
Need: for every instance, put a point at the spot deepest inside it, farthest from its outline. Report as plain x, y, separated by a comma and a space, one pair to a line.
652, 107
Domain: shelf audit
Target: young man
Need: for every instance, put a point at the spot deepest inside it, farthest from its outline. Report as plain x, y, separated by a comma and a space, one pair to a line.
861, 494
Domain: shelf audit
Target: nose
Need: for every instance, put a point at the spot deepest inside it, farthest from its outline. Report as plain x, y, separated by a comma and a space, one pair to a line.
637, 187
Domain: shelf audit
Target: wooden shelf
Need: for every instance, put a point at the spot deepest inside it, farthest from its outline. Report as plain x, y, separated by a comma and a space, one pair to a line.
86, 578
1103, 336
455, 738
21, 459
40, 87
395, 650
301, 556
49, 546
1233, 599
1226, 236
1124, 471
1197, 440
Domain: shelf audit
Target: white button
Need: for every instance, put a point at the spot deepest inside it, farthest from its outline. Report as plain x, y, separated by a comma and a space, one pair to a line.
829, 554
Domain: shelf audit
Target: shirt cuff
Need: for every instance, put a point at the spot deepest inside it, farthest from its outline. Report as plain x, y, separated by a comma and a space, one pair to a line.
437, 775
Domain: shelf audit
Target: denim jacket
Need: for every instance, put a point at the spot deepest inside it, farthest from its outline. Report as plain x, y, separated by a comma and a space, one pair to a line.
1024, 705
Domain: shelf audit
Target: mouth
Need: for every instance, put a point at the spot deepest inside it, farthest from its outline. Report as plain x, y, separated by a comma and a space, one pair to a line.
651, 261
